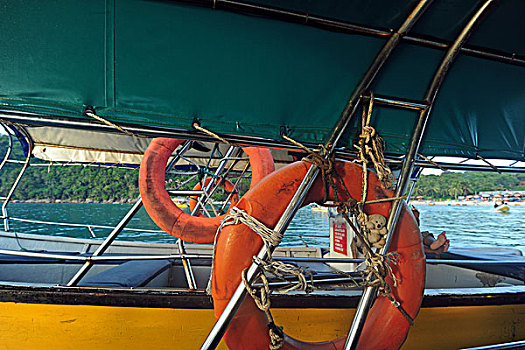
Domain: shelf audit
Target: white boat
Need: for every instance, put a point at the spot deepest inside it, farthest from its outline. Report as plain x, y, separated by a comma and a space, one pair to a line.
318, 208
504, 208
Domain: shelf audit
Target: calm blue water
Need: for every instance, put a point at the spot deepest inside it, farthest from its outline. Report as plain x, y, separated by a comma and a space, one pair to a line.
480, 226
465, 225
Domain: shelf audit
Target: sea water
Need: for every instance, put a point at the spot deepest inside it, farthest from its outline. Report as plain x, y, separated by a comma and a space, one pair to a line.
466, 226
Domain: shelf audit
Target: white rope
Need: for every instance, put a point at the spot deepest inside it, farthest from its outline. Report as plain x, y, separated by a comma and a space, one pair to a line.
239, 216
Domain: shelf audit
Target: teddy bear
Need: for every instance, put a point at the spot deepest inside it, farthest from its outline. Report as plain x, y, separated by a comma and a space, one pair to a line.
376, 227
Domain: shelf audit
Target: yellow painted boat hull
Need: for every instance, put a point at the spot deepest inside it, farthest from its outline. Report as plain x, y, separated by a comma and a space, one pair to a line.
51, 326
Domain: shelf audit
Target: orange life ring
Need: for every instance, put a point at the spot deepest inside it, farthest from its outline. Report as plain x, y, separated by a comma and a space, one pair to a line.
385, 327
161, 208
227, 185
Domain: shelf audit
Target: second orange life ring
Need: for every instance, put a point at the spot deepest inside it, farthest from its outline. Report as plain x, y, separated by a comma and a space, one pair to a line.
227, 185
385, 327
161, 208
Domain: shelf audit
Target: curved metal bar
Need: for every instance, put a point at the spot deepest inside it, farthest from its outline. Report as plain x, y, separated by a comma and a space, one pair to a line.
370, 293
9, 147
332, 24
372, 71
25, 163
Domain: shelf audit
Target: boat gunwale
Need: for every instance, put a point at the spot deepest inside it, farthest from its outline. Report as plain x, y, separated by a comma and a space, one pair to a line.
199, 299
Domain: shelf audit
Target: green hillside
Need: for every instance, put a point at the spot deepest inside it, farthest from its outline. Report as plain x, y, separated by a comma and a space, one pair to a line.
79, 183
449, 185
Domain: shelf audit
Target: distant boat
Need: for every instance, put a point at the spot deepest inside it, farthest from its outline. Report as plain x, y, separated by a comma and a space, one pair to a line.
320, 209
180, 203
504, 208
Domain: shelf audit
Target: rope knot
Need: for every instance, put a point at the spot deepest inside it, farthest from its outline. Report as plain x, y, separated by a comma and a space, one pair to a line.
239, 216
349, 206
371, 147
276, 336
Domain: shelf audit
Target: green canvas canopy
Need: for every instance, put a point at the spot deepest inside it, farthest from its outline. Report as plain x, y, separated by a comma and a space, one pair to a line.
267, 68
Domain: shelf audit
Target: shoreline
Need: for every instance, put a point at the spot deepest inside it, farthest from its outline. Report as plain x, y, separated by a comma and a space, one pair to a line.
82, 201
461, 203
132, 200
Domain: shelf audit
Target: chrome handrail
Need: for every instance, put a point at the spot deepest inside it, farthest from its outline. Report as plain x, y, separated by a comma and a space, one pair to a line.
78, 225
210, 256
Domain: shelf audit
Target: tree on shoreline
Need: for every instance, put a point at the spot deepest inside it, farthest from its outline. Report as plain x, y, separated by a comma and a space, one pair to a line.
80, 183
450, 185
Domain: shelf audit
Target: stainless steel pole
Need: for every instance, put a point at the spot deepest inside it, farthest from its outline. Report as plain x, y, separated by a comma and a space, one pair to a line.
186, 264
374, 68
25, 164
107, 242
371, 292
219, 169
224, 320
117, 230
217, 332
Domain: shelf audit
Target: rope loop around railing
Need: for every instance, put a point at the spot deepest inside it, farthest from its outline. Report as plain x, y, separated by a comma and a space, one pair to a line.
90, 112
212, 134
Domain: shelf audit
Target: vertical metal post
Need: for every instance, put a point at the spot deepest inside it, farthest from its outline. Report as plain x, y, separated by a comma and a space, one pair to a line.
371, 292
186, 264
220, 168
4, 161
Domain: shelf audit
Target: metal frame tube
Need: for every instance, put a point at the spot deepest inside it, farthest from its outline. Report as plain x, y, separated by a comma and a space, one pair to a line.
107, 242
311, 19
374, 68
49, 120
218, 171
9, 147
103, 258
25, 163
205, 256
80, 225
4, 161
220, 327
397, 103
188, 271
370, 293
469, 167
224, 320
119, 228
